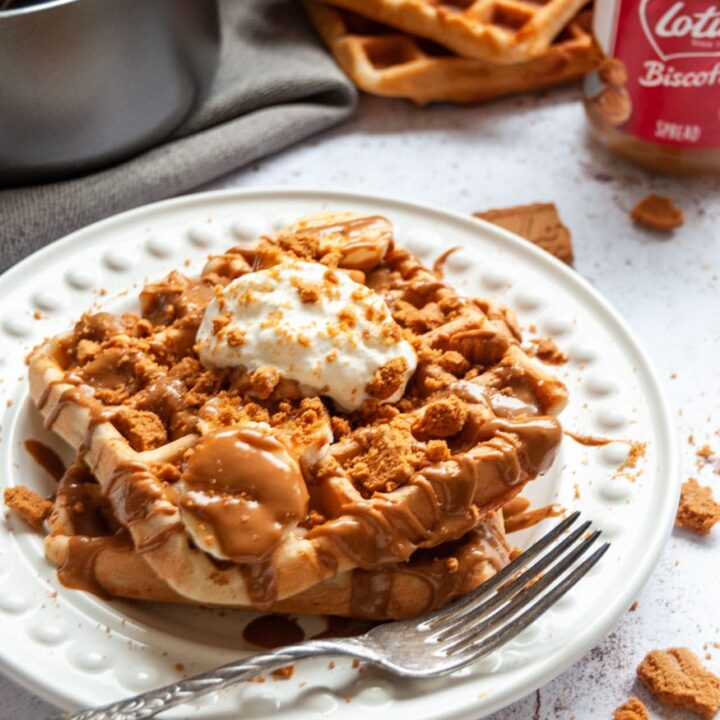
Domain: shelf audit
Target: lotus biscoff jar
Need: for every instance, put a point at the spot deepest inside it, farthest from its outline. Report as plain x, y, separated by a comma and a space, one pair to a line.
655, 100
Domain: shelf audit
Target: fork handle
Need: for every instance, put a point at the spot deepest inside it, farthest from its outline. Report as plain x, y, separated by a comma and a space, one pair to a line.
151, 703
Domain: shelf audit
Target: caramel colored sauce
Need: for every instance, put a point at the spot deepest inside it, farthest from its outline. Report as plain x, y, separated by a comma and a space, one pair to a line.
97, 417
517, 505
46, 458
524, 520
590, 440
78, 570
439, 265
273, 631
372, 591
349, 228
383, 530
260, 582
133, 490
79, 494
244, 485
71, 396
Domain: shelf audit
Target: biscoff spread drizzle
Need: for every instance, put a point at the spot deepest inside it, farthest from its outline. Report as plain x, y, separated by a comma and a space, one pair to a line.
440, 574
244, 493
389, 526
95, 528
471, 428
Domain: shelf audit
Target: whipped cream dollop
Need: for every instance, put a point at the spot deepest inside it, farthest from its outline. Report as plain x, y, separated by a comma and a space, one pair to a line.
315, 325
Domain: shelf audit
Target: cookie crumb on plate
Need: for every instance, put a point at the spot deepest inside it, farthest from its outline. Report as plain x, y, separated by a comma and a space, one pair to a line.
30, 506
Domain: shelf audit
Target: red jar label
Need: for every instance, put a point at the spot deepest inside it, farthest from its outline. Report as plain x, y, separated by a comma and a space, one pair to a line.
671, 53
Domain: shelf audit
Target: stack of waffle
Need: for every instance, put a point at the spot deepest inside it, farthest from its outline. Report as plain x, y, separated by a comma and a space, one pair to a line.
456, 50
220, 486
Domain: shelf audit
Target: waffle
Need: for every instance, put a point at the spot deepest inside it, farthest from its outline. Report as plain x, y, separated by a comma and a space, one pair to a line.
382, 61
404, 489
94, 553
496, 31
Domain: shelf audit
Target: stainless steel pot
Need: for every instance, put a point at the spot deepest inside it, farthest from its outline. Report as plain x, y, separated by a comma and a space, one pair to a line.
84, 83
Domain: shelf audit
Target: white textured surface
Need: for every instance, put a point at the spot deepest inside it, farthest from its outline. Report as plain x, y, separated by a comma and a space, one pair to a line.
667, 289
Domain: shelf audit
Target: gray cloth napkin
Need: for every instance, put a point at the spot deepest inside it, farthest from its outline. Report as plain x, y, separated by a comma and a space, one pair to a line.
275, 86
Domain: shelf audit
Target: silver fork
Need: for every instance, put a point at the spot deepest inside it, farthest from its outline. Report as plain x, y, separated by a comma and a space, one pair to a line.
436, 644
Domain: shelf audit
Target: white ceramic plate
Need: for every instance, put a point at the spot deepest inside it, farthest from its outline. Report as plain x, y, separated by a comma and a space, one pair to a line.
76, 650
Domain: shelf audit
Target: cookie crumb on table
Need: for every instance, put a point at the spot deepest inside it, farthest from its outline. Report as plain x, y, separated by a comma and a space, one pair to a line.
30, 506
658, 213
539, 223
698, 511
633, 709
678, 679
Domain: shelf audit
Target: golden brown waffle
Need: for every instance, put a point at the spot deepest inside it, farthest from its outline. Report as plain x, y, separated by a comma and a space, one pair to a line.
94, 553
496, 31
382, 61
399, 483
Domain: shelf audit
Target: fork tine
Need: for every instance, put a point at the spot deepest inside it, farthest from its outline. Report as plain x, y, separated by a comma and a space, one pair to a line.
483, 624
483, 606
509, 631
449, 612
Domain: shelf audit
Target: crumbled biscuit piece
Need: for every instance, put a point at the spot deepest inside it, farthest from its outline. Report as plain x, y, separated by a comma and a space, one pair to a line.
441, 418
264, 381
388, 379
539, 223
235, 337
30, 506
313, 519
142, 429
453, 362
219, 322
387, 462
677, 678
658, 213
633, 709
86, 350
304, 424
340, 427
167, 472
698, 511
283, 673
418, 319
308, 292
707, 456
546, 349
437, 451
347, 319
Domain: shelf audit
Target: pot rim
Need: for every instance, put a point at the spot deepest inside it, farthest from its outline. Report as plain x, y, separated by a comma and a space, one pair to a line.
45, 5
